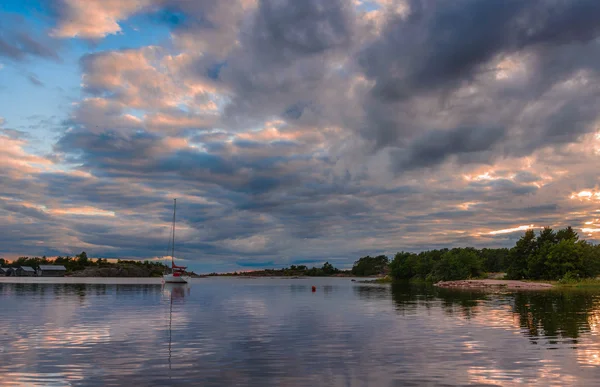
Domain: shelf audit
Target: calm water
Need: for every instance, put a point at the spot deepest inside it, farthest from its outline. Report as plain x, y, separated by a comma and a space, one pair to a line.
277, 332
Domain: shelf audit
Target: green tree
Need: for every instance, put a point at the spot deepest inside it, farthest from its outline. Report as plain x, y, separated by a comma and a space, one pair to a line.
566, 233
404, 265
494, 260
590, 259
82, 259
536, 261
328, 269
519, 254
458, 264
547, 235
567, 256
368, 265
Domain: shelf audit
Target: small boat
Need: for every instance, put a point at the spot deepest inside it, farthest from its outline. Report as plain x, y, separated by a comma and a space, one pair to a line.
177, 274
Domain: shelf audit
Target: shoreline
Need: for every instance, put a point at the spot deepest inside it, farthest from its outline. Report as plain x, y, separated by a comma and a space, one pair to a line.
491, 284
83, 280
127, 280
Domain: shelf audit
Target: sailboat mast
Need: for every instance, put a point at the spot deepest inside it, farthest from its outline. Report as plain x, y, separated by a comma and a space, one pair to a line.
173, 244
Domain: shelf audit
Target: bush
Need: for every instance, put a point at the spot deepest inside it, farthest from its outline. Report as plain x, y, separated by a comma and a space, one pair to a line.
569, 278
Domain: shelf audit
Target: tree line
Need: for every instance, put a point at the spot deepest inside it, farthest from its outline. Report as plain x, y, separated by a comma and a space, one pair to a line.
292, 271
549, 255
79, 262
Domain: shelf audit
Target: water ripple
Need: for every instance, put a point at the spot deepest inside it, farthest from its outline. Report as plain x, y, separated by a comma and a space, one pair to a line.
277, 332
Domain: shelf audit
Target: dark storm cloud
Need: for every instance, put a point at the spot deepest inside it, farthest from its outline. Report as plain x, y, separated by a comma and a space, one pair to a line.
23, 211
285, 56
108, 149
443, 46
436, 146
110, 153
442, 43
287, 30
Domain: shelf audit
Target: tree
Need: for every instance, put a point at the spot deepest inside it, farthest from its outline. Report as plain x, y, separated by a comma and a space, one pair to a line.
82, 259
519, 254
494, 260
328, 269
566, 233
547, 235
368, 265
537, 258
458, 264
567, 256
404, 265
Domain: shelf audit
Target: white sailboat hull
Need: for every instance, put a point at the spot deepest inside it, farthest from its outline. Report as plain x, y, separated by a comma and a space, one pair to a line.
171, 279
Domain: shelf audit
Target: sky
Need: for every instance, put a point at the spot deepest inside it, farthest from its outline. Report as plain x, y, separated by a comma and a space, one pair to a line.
294, 132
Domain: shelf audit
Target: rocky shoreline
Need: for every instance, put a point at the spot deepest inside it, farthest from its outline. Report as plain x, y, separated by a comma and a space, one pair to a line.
490, 284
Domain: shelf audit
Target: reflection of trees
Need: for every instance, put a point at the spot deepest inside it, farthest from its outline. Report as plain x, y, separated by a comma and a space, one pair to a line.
295, 288
80, 290
371, 292
555, 313
461, 302
552, 314
409, 297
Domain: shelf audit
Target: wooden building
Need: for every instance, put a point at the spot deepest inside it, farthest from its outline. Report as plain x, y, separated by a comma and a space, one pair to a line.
25, 271
51, 271
3, 271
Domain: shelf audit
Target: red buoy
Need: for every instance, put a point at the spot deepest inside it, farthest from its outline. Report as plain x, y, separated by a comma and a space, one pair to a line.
314, 288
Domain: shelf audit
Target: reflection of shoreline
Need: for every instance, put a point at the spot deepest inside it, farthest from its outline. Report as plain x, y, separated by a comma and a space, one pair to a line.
543, 314
82, 280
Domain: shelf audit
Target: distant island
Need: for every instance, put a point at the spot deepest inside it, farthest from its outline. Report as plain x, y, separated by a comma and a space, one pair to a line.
364, 267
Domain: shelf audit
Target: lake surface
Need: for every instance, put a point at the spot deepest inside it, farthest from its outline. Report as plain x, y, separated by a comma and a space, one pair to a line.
277, 332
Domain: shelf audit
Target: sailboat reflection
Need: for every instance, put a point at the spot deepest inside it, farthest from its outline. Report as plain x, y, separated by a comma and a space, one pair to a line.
176, 291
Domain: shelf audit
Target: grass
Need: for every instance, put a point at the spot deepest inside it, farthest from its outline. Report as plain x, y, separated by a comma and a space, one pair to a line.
574, 284
584, 283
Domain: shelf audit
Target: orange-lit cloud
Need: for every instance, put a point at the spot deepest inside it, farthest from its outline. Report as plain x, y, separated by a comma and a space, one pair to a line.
95, 18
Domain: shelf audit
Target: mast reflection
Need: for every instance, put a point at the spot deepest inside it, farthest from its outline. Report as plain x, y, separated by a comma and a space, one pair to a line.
175, 291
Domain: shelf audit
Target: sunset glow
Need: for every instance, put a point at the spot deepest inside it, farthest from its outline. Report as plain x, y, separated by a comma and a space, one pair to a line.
510, 230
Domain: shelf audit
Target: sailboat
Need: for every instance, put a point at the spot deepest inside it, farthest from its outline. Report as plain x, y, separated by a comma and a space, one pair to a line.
177, 272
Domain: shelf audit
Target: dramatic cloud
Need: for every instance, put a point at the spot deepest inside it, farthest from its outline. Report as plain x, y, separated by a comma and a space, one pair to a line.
506, 64
307, 131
